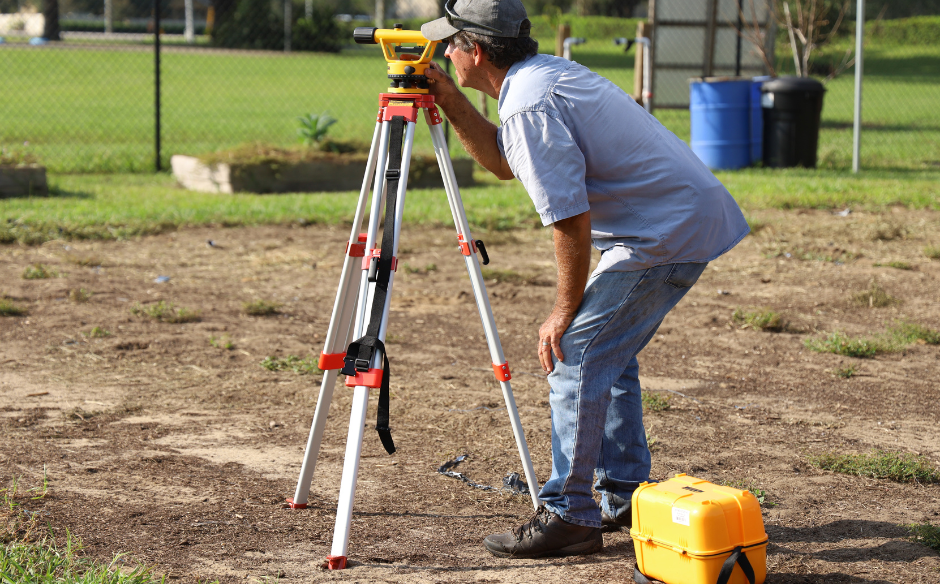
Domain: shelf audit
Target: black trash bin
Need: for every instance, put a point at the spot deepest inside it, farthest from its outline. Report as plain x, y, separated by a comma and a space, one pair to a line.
792, 106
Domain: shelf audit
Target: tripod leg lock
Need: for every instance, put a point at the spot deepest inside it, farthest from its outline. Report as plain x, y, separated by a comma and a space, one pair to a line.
371, 378
336, 562
329, 361
502, 371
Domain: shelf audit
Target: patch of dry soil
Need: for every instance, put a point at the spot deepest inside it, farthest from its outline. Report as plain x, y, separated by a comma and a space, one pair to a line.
180, 453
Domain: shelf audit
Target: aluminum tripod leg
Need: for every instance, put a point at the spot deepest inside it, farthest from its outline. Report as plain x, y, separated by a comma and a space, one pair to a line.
337, 336
483, 301
347, 492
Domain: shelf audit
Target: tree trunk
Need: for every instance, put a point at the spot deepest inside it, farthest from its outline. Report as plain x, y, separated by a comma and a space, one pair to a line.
51, 30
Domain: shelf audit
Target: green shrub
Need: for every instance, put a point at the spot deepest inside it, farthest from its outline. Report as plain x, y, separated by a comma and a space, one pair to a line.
874, 297
902, 467
655, 402
252, 25
911, 332
765, 320
293, 363
321, 33
166, 312
840, 344
7, 308
261, 308
917, 30
926, 534
39, 272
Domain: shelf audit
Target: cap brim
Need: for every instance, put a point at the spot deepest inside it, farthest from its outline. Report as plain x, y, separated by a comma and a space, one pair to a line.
438, 30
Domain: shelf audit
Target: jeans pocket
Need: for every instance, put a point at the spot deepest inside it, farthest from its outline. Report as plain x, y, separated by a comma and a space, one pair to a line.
684, 275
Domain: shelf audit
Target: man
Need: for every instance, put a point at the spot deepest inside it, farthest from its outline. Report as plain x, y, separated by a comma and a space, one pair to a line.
597, 166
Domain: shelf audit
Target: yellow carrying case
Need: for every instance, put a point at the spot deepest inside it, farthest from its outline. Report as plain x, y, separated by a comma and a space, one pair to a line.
690, 531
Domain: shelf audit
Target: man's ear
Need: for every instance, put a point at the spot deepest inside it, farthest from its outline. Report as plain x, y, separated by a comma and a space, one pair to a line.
478, 55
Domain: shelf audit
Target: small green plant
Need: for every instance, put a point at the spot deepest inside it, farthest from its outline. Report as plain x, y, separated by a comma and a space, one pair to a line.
926, 534
764, 320
898, 265
902, 467
223, 342
39, 272
932, 252
85, 261
905, 333
841, 344
79, 295
759, 493
874, 297
166, 312
7, 308
97, 333
845, 372
261, 308
655, 402
293, 363
314, 127
10, 157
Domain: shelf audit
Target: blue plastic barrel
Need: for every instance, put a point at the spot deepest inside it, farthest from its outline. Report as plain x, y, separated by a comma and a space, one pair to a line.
721, 128
757, 118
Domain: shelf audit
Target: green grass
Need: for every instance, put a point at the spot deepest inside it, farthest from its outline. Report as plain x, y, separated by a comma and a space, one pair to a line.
926, 534
655, 402
217, 100
764, 320
293, 363
898, 265
261, 308
79, 295
896, 338
97, 333
166, 312
845, 372
8, 308
903, 467
841, 344
39, 272
874, 297
30, 555
759, 493
932, 252
223, 342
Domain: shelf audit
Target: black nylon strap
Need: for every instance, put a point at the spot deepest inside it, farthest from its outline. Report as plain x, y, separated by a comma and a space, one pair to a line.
639, 577
361, 351
737, 557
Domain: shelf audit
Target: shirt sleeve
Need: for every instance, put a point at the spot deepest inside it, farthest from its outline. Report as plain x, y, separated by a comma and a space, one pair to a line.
544, 156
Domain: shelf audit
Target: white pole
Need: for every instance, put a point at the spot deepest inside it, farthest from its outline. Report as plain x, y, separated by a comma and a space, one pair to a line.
857, 124
189, 33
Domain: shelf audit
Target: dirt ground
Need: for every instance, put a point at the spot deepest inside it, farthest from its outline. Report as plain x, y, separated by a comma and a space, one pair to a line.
180, 454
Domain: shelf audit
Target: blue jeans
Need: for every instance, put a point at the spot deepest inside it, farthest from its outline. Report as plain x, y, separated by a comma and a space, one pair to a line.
597, 410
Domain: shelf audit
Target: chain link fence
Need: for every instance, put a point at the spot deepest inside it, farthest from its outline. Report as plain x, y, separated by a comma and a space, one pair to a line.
243, 71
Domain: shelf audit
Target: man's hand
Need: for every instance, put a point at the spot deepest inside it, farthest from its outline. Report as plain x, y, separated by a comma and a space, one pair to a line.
442, 86
572, 239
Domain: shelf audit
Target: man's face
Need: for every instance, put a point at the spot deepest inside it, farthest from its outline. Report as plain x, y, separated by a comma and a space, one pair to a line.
464, 65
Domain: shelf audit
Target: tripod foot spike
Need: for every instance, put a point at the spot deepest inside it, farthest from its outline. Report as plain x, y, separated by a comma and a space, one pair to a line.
291, 505
336, 562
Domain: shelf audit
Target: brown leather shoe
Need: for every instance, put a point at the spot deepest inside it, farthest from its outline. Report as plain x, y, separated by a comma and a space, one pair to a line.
545, 534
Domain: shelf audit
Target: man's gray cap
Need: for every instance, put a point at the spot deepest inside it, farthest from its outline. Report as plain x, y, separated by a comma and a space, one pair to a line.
498, 18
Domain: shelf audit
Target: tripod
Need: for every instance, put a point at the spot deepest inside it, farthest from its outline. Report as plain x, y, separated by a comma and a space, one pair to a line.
362, 303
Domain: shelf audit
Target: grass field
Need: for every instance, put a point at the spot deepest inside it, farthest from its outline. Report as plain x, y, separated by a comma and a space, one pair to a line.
113, 206
82, 108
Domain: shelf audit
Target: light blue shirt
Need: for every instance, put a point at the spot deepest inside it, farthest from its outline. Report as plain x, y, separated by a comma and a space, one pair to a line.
578, 143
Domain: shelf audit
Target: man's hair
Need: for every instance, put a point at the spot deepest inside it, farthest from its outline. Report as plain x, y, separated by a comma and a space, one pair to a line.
502, 52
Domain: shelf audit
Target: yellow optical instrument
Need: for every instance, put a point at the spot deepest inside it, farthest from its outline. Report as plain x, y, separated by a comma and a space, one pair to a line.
407, 52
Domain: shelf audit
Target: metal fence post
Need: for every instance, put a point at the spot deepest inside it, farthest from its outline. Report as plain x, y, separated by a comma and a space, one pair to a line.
156, 82
857, 122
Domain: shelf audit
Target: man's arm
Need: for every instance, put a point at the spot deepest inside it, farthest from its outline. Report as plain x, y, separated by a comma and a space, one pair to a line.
572, 239
475, 132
